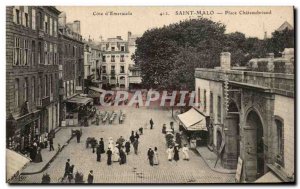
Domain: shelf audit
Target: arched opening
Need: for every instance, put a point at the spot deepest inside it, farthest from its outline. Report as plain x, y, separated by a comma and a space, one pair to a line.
254, 147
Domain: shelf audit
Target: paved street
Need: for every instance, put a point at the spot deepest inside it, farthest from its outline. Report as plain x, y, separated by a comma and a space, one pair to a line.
137, 169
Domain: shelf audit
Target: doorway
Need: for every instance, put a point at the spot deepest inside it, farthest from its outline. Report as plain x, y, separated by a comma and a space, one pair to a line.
254, 147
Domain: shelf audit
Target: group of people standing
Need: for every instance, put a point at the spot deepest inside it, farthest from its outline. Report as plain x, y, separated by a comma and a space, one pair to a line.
173, 153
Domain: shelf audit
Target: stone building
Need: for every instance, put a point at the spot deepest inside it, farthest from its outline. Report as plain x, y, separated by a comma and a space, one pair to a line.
251, 111
116, 61
71, 65
31, 72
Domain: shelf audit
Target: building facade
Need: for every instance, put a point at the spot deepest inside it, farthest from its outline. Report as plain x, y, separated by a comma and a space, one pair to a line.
71, 64
116, 61
31, 72
251, 112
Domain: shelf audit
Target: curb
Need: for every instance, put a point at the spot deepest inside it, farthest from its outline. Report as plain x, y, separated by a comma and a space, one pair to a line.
213, 169
50, 161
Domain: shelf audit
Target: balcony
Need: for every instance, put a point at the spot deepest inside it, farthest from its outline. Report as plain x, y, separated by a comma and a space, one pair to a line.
42, 103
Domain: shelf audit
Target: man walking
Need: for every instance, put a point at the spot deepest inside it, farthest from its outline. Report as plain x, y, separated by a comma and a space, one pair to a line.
67, 168
109, 154
101, 144
127, 147
90, 177
150, 156
98, 152
78, 135
151, 123
51, 144
135, 145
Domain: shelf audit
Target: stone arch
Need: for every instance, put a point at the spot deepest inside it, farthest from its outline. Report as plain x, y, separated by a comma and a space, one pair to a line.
254, 145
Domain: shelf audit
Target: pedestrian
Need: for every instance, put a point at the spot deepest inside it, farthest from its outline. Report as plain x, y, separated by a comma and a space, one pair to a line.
111, 143
185, 151
170, 153
120, 141
78, 135
46, 142
98, 152
101, 145
141, 130
51, 144
135, 146
38, 157
178, 139
150, 156
70, 175
137, 136
176, 153
122, 156
94, 143
67, 168
151, 123
164, 129
116, 154
109, 154
155, 158
132, 137
90, 177
127, 146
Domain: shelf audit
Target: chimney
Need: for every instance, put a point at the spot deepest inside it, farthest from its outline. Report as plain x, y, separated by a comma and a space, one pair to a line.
62, 19
225, 60
129, 35
76, 26
119, 37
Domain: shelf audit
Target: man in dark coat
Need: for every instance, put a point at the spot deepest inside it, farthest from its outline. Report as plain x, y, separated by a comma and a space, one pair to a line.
90, 177
151, 123
101, 144
176, 153
137, 136
122, 156
127, 146
132, 138
109, 154
135, 146
67, 168
51, 144
98, 152
150, 156
78, 135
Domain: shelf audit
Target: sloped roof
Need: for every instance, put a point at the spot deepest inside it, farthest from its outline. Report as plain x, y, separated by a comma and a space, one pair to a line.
284, 26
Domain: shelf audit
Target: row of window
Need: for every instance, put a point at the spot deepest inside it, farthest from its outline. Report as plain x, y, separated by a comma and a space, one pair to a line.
122, 69
72, 50
27, 17
112, 48
25, 52
113, 78
204, 103
113, 58
45, 87
69, 87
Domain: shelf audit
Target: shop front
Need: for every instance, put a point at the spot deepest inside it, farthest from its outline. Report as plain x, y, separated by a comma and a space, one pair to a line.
193, 124
26, 130
78, 111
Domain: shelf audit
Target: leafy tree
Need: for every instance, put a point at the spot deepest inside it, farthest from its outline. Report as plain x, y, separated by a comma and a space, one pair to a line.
280, 40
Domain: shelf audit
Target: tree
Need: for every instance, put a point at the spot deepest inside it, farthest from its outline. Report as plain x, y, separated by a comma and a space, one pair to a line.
158, 49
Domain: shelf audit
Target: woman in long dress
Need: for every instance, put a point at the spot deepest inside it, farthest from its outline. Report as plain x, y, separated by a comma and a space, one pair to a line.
185, 151
155, 158
38, 158
176, 153
170, 153
116, 154
111, 143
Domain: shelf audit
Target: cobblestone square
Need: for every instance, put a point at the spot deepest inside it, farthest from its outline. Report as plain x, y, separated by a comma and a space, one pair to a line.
137, 168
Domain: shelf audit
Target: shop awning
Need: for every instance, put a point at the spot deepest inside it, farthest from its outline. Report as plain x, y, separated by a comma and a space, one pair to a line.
97, 90
80, 100
269, 177
15, 162
192, 120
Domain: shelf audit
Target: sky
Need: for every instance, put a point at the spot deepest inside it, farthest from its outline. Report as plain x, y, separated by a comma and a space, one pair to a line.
95, 22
